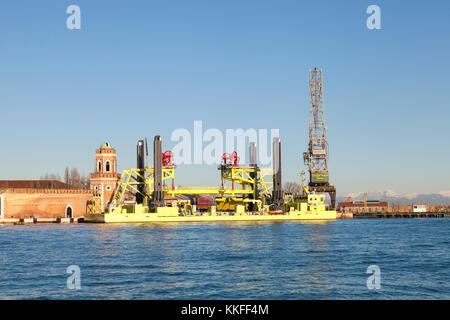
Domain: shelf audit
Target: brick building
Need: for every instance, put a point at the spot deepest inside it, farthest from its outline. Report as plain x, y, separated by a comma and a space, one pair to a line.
105, 178
51, 199
41, 199
413, 208
351, 206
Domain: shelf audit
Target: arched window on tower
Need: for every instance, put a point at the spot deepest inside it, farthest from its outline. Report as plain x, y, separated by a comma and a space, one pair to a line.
99, 166
108, 166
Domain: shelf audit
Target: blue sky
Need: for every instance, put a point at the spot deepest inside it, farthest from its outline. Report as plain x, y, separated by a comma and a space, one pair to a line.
141, 68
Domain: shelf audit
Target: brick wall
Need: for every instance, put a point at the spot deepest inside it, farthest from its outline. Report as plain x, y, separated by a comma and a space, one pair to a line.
43, 203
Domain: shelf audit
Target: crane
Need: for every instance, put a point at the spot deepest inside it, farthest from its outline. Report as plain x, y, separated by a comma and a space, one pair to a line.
316, 158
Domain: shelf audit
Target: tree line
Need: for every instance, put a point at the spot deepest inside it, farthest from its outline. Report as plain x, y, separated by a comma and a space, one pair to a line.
72, 177
293, 188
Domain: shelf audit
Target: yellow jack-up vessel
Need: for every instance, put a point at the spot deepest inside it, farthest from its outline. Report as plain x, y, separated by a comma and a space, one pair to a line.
249, 198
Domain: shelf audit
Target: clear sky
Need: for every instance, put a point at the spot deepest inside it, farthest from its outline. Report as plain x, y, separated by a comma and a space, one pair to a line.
141, 68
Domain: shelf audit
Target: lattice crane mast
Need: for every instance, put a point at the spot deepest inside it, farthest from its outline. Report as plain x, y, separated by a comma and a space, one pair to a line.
316, 158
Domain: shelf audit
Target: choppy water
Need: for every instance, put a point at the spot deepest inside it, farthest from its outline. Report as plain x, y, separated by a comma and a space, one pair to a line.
289, 260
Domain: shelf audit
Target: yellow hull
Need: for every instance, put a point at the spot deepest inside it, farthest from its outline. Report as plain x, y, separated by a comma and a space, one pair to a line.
154, 217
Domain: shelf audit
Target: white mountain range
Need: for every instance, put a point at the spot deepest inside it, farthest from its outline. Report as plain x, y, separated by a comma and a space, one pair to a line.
394, 198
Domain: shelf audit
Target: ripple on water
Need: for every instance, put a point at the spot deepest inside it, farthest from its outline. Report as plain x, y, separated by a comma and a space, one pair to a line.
228, 261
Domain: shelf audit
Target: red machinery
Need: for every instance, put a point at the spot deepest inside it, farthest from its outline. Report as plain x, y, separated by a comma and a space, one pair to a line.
230, 159
167, 159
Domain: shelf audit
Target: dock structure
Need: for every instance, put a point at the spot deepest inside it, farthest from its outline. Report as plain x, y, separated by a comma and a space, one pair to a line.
377, 215
41, 220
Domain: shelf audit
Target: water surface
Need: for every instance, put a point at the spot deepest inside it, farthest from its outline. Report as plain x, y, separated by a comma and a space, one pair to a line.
238, 260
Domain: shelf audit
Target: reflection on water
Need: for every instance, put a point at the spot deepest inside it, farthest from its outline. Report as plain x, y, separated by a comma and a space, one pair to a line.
220, 260
319, 270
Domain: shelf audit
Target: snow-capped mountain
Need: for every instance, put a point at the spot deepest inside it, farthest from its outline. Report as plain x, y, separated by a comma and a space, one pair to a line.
394, 198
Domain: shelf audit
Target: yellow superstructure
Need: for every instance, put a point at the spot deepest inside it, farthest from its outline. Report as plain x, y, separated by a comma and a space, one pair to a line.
313, 209
244, 195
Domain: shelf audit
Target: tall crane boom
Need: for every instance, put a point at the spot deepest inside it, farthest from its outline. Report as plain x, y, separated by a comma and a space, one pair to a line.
316, 158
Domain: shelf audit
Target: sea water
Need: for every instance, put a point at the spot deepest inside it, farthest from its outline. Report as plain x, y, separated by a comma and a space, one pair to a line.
232, 260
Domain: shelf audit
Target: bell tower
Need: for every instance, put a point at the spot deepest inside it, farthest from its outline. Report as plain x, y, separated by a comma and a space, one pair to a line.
105, 178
